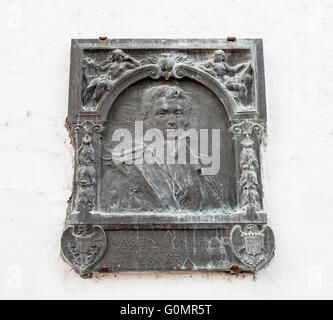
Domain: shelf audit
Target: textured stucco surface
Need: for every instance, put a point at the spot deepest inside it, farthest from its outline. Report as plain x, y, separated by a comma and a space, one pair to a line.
36, 154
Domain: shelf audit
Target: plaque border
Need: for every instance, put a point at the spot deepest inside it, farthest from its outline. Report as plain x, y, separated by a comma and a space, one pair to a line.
86, 128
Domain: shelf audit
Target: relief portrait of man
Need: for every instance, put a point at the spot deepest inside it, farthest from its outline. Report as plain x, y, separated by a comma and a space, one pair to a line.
160, 184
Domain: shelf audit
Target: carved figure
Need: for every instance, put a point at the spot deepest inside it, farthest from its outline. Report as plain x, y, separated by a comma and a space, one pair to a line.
115, 66
237, 79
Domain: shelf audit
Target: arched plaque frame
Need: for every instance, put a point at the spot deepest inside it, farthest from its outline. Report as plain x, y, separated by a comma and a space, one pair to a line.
94, 241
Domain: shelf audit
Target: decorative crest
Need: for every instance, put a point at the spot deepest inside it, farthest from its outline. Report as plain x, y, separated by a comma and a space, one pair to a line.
82, 246
252, 247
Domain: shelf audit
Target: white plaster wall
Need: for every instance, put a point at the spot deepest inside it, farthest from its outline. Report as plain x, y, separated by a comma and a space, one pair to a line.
36, 156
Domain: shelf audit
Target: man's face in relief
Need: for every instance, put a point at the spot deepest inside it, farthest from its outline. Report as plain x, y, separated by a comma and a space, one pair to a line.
219, 56
168, 114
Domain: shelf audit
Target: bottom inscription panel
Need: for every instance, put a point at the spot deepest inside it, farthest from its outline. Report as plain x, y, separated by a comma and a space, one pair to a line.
167, 250
235, 248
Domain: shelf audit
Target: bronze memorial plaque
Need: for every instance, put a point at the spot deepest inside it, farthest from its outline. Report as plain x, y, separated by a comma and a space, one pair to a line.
167, 137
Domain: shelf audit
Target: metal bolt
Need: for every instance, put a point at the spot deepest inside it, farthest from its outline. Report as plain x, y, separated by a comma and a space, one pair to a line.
235, 269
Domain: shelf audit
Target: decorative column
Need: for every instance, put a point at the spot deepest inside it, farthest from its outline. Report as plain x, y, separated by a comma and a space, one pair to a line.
247, 136
87, 146
82, 245
252, 244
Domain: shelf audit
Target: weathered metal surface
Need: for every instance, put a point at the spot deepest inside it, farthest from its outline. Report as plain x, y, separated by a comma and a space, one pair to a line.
164, 215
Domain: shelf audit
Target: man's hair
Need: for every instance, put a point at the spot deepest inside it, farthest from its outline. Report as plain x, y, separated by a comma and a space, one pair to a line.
164, 91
